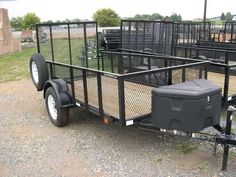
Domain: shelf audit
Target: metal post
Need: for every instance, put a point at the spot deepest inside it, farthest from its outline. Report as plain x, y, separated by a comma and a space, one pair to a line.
71, 69
120, 64
85, 46
129, 31
99, 85
153, 35
102, 56
112, 64
121, 31
37, 35
204, 17
98, 53
121, 92
144, 35
226, 84
206, 71
136, 36
85, 89
229, 119
52, 48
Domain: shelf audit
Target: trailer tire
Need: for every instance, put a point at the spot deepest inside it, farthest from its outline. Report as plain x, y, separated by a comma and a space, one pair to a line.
58, 115
38, 71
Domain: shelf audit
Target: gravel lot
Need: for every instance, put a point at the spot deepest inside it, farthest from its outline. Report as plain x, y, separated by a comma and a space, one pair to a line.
32, 146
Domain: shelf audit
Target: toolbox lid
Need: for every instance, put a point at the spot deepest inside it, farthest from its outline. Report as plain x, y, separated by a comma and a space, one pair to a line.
195, 89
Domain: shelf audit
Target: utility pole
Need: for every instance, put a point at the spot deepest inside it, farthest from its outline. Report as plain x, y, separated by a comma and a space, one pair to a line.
204, 17
205, 11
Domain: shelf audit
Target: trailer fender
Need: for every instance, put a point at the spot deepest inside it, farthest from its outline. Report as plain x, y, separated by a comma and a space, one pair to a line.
62, 91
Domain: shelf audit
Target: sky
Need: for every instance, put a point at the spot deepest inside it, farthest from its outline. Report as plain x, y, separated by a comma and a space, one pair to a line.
84, 9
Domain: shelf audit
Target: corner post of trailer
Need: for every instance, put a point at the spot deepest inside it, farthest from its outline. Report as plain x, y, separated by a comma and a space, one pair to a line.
85, 46
120, 64
121, 93
121, 31
100, 101
226, 84
37, 37
98, 52
70, 59
85, 86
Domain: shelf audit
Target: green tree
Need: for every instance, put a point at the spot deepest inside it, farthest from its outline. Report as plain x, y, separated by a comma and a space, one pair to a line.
106, 17
176, 18
48, 21
30, 20
154, 16
228, 16
222, 17
16, 23
76, 20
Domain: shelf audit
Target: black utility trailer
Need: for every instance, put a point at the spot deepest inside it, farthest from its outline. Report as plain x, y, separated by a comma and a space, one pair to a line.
125, 86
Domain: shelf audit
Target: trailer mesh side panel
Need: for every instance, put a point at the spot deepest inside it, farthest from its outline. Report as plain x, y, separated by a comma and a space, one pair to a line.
110, 96
92, 89
137, 99
138, 93
187, 74
232, 83
78, 85
216, 74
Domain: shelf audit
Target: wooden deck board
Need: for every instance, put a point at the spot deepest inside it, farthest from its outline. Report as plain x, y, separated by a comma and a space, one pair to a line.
137, 97
218, 79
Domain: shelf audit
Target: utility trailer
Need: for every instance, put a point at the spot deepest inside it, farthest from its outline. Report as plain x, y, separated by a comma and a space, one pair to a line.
193, 42
129, 87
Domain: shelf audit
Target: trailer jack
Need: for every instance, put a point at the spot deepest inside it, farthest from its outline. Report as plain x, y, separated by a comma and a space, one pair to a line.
227, 139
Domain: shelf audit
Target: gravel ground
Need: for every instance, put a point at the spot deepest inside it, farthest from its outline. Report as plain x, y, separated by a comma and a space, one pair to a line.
32, 146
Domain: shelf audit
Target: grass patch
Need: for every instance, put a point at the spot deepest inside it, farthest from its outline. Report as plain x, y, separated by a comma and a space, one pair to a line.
186, 147
15, 66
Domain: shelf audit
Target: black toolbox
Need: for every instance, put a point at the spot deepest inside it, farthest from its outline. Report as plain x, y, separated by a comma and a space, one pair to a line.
190, 106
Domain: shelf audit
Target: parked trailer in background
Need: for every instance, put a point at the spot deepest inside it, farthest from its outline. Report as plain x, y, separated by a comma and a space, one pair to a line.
132, 87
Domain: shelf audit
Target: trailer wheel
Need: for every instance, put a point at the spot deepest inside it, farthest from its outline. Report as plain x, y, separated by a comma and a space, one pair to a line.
38, 71
59, 116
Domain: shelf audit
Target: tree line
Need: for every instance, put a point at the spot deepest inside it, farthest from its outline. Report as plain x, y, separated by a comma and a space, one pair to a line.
226, 17
105, 17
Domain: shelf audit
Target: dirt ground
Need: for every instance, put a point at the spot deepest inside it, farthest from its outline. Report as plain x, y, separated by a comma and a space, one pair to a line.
32, 146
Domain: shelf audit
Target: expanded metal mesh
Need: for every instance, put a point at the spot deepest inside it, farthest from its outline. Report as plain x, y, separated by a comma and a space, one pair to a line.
137, 98
92, 89
188, 74
110, 96
232, 83
78, 85
216, 74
